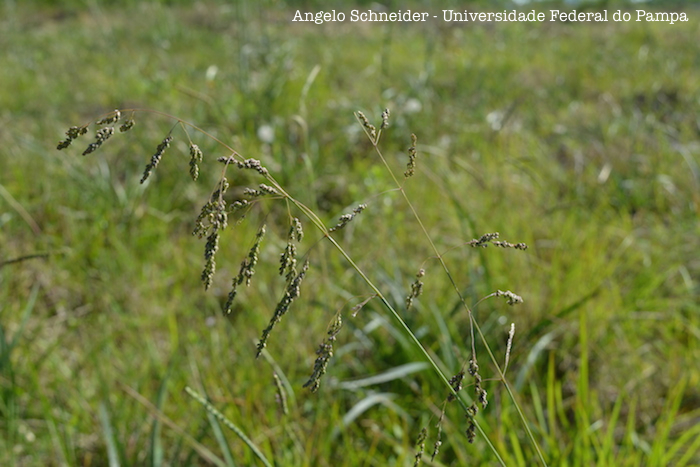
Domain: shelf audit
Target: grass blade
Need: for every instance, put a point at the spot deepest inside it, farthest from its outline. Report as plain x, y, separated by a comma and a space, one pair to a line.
108, 432
212, 410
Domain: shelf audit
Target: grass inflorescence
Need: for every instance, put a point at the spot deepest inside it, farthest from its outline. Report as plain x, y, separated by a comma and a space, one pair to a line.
213, 219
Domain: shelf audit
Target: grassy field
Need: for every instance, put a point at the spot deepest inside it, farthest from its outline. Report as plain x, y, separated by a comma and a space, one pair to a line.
580, 139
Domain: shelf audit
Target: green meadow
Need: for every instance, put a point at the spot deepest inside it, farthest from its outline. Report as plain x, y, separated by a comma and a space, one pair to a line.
579, 139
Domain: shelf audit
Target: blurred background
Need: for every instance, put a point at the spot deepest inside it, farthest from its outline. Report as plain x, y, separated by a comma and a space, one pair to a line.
580, 139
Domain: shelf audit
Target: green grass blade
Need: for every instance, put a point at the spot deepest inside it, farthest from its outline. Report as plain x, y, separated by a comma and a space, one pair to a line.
108, 433
212, 410
221, 439
156, 449
389, 375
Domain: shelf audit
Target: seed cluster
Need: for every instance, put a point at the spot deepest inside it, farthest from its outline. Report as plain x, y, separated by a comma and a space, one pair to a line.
155, 159
416, 289
411, 166
246, 164
324, 353
127, 125
72, 133
247, 270
291, 294
346, 218
385, 119
102, 135
420, 442
113, 118
484, 240
288, 261
456, 383
195, 160
481, 395
261, 191
511, 298
438, 437
371, 129
212, 218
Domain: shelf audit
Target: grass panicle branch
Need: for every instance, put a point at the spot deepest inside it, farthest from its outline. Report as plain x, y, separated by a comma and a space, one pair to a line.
288, 259
291, 294
101, 135
411, 165
420, 442
324, 354
247, 270
416, 289
346, 218
195, 159
155, 159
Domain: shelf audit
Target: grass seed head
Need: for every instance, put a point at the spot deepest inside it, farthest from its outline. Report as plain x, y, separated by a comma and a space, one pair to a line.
416, 289
247, 271
324, 354
511, 298
420, 442
113, 118
483, 240
456, 383
210, 250
155, 159
195, 160
288, 260
371, 130
411, 166
101, 136
385, 119
291, 294
261, 191
72, 133
346, 218
253, 164
127, 125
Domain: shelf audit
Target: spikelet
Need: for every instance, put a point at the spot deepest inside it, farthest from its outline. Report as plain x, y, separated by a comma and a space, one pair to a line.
212, 218
195, 160
346, 218
261, 191
253, 164
127, 125
411, 166
102, 135
112, 118
511, 298
72, 133
385, 120
484, 240
416, 289
288, 260
420, 442
371, 130
324, 353
456, 383
155, 159
291, 294
247, 270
